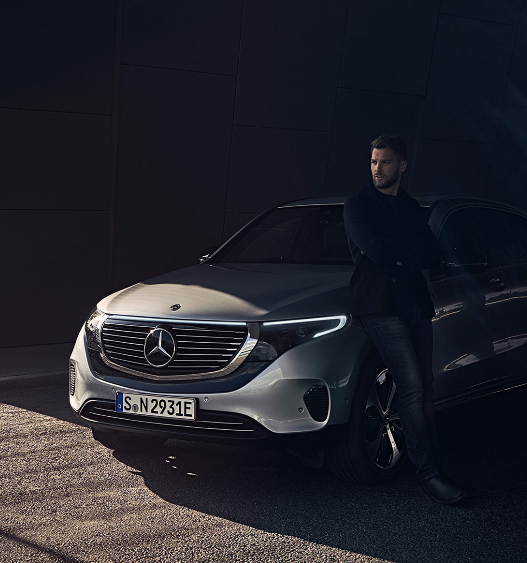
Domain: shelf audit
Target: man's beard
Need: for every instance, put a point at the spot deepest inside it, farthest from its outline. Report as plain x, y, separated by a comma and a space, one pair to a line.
386, 182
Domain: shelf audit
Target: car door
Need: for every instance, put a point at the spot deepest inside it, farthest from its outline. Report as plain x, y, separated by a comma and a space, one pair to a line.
472, 302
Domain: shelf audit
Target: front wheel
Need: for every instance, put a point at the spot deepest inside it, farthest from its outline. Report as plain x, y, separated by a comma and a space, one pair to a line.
125, 442
373, 449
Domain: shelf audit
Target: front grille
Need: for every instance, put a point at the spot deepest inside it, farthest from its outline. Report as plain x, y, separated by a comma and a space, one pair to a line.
200, 348
209, 424
316, 400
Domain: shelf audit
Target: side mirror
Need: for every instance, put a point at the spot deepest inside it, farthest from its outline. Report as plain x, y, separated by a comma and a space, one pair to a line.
205, 254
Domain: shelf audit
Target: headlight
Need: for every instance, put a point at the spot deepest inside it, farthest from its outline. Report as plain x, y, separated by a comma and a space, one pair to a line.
93, 329
277, 337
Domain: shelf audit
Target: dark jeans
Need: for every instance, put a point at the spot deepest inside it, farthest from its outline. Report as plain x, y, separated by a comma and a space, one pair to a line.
406, 349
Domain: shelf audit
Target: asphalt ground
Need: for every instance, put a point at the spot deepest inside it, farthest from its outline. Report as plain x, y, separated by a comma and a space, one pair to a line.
66, 498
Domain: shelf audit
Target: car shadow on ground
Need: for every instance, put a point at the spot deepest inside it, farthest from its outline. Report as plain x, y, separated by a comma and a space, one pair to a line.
51, 400
483, 445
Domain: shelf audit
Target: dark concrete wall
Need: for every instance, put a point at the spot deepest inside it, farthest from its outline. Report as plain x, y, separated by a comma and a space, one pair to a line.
136, 132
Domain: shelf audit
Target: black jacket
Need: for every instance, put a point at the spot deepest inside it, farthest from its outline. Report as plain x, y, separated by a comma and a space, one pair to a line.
383, 230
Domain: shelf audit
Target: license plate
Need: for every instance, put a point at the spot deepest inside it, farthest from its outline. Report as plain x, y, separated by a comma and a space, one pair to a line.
166, 407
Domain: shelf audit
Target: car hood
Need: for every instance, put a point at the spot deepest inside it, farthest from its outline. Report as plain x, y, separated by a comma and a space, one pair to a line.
237, 292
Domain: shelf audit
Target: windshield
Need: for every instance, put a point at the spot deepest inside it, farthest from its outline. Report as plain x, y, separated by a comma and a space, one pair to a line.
311, 234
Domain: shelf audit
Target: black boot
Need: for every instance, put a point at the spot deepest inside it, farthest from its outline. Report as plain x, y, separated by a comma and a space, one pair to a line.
471, 491
442, 490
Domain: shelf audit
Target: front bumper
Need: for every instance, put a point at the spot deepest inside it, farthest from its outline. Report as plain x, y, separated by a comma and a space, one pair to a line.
271, 404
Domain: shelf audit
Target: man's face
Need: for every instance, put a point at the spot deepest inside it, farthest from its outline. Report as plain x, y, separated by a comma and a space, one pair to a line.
385, 168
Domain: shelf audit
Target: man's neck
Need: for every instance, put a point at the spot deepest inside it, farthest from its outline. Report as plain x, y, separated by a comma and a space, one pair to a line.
392, 190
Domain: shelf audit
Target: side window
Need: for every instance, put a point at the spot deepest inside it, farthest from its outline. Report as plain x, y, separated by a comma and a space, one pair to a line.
463, 238
478, 235
507, 243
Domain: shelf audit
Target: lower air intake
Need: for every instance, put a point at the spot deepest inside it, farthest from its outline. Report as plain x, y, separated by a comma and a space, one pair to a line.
209, 424
73, 377
316, 400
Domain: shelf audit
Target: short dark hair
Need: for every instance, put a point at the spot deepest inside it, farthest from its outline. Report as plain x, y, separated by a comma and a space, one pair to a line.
393, 142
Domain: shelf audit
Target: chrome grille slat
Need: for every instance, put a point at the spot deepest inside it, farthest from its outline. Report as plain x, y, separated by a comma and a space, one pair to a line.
199, 349
205, 342
200, 335
205, 352
129, 325
144, 362
109, 412
140, 344
128, 337
125, 330
213, 346
214, 355
200, 329
175, 422
205, 348
179, 358
197, 361
227, 348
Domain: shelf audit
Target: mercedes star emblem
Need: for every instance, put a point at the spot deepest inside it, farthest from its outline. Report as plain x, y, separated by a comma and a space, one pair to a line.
160, 347
176, 307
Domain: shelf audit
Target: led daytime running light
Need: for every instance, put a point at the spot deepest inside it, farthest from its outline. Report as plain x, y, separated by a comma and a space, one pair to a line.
341, 318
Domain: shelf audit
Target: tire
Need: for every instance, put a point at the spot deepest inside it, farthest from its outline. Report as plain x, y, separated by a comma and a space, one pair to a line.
124, 442
373, 449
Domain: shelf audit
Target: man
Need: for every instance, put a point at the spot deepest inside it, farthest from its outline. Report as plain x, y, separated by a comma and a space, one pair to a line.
391, 243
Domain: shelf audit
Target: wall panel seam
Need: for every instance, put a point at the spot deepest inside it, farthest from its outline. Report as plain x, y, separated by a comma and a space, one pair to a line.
40, 210
233, 124
504, 95
114, 139
336, 98
422, 107
282, 128
181, 70
379, 91
57, 111
478, 19
456, 141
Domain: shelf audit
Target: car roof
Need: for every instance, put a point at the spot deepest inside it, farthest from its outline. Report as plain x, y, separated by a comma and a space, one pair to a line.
424, 200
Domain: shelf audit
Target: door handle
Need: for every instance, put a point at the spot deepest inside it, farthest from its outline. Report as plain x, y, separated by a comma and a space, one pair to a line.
497, 284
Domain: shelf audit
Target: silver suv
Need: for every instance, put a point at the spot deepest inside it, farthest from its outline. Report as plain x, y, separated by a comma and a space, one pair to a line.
256, 342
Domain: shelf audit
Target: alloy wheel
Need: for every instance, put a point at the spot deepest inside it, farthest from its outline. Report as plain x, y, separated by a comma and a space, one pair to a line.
385, 445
